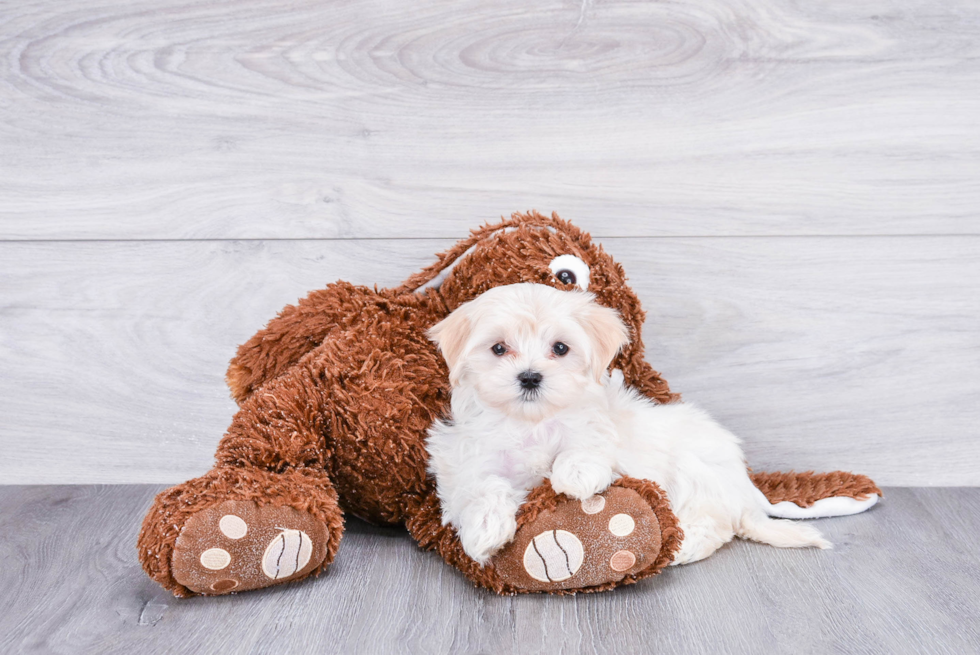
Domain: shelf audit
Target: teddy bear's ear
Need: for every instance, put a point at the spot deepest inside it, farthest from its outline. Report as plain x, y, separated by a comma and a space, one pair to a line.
451, 335
606, 331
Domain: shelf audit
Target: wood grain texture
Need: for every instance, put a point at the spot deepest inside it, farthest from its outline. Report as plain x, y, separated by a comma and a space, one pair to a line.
826, 353
312, 118
902, 578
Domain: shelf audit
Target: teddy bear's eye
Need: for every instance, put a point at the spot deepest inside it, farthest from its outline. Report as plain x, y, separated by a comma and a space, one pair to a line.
565, 276
499, 349
559, 349
569, 269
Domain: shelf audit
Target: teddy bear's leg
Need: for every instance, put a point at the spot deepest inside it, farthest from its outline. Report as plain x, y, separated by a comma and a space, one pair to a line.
235, 529
268, 511
562, 545
297, 330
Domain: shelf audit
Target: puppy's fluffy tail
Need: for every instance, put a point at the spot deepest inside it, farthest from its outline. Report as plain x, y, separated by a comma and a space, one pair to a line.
780, 533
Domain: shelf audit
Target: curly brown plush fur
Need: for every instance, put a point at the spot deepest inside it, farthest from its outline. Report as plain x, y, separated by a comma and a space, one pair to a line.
336, 395
805, 489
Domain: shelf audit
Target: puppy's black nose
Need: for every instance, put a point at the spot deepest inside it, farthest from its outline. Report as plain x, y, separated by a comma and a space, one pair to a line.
529, 379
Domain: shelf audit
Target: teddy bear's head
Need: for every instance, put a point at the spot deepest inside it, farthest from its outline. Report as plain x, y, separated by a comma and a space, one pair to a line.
529, 248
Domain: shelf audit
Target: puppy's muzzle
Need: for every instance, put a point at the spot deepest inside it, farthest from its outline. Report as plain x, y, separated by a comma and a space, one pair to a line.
530, 380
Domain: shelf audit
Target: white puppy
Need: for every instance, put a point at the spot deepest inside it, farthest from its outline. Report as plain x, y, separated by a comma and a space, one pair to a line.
531, 400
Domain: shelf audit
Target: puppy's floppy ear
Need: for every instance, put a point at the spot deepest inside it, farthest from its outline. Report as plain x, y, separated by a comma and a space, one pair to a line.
451, 334
606, 331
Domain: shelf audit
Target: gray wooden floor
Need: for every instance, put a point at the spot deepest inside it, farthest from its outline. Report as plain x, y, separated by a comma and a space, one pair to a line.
903, 578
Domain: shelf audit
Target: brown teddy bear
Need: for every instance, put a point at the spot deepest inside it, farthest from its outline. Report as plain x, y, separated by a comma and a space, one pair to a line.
336, 395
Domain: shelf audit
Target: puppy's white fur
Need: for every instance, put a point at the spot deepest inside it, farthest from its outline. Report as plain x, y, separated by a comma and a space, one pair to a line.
581, 427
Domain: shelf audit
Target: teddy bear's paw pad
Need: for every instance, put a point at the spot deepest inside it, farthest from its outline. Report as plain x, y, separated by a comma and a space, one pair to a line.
581, 544
238, 545
553, 556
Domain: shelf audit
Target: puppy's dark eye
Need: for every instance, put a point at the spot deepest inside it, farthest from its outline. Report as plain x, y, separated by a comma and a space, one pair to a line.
565, 276
499, 349
559, 349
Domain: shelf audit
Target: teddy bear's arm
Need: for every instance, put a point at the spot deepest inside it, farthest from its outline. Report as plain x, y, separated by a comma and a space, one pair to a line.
297, 330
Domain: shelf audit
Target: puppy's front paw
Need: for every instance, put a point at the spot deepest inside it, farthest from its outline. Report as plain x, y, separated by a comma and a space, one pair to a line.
486, 526
579, 476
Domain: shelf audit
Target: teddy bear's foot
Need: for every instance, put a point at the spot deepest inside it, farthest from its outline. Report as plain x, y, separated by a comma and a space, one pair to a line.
613, 538
238, 545
235, 529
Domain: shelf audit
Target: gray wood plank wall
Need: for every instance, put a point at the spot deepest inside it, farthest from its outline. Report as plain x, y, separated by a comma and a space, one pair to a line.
794, 189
